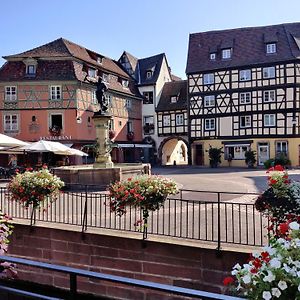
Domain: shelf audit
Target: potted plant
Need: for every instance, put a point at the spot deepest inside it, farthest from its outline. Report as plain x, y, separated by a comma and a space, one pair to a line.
33, 188
250, 158
214, 156
146, 192
55, 130
130, 135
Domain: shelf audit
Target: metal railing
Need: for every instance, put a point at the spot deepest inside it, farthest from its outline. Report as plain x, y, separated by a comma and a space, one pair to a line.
219, 217
75, 273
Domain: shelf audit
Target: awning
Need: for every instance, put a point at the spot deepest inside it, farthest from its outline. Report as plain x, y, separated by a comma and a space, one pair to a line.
238, 143
117, 145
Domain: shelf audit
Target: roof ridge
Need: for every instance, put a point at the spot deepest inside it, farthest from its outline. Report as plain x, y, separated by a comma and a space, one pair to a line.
244, 28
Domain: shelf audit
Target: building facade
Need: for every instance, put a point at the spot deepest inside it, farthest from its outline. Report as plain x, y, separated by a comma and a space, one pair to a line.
150, 75
49, 93
244, 93
172, 124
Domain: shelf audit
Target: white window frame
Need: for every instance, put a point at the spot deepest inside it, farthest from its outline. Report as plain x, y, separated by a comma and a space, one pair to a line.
210, 124
125, 83
179, 119
94, 97
11, 93
129, 126
55, 92
166, 120
212, 56
245, 98
245, 75
208, 78
247, 121
174, 99
269, 72
32, 68
12, 126
149, 74
280, 143
269, 96
268, 118
92, 72
271, 48
209, 101
128, 103
105, 77
226, 53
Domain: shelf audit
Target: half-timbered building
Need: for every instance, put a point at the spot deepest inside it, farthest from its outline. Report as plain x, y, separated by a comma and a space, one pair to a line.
172, 123
49, 93
244, 93
150, 75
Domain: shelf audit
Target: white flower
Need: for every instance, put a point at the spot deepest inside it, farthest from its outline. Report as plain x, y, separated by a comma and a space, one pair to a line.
275, 263
246, 279
294, 226
237, 266
276, 292
270, 250
282, 285
266, 295
270, 277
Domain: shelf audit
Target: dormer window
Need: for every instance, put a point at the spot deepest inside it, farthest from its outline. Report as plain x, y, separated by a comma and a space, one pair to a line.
31, 70
226, 53
31, 65
212, 56
99, 60
149, 74
174, 99
125, 83
271, 48
105, 77
92, 72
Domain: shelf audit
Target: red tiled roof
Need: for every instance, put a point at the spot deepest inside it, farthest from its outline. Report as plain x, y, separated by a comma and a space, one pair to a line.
64, 48
248, 46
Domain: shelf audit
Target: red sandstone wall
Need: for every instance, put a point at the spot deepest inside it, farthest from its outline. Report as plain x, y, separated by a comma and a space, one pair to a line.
164, 263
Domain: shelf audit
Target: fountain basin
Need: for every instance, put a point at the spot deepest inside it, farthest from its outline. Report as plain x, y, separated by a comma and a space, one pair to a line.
80, 175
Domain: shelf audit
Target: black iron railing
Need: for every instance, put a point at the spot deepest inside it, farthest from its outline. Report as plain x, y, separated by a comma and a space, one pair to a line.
75, 273
217, 217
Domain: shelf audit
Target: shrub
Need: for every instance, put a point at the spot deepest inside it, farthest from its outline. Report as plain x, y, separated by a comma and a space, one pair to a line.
250, 159
214, 156
279, 160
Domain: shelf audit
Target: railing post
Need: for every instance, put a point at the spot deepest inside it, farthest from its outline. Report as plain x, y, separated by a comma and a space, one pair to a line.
84, 217
73, 286
219, 225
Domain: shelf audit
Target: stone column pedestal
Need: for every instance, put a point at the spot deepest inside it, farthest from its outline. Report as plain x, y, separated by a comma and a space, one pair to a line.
103, 157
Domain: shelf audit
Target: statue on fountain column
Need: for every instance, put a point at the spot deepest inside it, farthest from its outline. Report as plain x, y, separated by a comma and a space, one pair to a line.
100, 95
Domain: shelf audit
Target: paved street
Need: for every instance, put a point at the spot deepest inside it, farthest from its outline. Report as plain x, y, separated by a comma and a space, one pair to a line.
221, 179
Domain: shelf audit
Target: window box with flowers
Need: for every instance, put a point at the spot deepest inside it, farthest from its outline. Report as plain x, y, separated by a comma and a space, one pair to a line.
146, 192
55, 130
34, 188
130, 136
148, 129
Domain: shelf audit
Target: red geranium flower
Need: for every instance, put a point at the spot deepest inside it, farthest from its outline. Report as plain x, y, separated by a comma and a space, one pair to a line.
228, 280
273, 181
279, 168
283, 228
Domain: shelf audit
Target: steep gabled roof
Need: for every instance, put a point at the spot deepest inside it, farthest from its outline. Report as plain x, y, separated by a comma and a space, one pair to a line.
248, 45
173, 88
63, 48
152, 63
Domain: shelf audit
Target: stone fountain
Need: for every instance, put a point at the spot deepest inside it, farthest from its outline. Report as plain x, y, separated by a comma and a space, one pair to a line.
103, 171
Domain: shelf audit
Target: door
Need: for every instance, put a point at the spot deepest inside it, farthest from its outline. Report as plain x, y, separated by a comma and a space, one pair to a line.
263, 153
199, 155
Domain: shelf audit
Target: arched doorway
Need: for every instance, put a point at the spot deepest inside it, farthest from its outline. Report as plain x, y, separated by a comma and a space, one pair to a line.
173, 151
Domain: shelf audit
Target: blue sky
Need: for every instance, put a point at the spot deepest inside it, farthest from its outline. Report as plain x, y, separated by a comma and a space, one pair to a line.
143, 28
